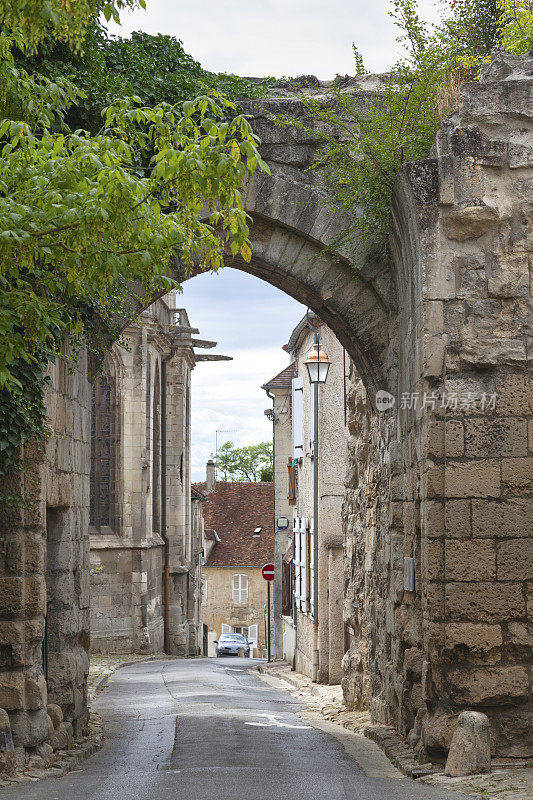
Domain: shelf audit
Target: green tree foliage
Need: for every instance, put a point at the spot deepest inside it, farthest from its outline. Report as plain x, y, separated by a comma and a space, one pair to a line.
248, 464
30, 22
365, 143
85, 217
154, 68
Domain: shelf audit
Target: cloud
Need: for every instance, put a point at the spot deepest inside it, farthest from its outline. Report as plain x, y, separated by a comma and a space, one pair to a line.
276, 37
250, 320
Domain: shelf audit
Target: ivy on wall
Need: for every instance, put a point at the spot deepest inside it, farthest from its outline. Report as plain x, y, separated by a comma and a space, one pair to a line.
365, 139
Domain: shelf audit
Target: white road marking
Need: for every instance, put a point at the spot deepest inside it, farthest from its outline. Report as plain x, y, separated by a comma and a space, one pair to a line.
275, 723
232, 669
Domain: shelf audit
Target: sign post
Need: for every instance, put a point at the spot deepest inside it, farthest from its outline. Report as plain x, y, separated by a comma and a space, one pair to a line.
268, 574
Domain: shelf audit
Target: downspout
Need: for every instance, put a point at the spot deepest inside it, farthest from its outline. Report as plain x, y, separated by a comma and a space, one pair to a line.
316, 527
166, 558
279, 577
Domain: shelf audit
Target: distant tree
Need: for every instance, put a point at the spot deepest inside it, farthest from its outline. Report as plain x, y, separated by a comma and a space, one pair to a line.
247, 464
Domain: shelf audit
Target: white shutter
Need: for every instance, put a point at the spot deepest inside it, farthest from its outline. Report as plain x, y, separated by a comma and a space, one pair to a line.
303, 564
240, 589
296, 560
225, 628
252, 637
297, 417
312, 563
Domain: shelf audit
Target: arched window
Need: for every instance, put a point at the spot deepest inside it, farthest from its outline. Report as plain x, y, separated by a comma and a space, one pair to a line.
240, 589
104, 440
156, 454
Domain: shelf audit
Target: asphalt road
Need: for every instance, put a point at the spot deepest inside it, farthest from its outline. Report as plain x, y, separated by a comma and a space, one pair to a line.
207, 729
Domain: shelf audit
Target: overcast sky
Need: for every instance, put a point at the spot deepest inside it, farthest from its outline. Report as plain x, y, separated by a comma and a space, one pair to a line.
276, 37
250, 319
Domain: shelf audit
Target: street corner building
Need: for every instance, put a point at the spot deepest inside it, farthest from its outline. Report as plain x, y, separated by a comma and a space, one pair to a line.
238, 541
309, 634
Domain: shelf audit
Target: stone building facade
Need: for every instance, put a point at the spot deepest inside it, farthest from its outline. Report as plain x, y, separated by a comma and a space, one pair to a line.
237, 543
141, 407
314, 644
439, 494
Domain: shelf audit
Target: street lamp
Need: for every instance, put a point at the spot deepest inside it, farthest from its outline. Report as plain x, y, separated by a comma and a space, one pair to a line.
318, 364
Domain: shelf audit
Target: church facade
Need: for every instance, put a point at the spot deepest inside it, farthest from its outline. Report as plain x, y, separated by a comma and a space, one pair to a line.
145, 537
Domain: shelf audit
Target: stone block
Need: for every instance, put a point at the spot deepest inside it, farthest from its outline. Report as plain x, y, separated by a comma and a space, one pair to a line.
11, 597
469, 752
517, 473
35, 692
483, 602
437, 731
473, 479
29, 728
492, 352
474, 639
35, 595
469, 222
12, 690
487, 686
432, 559
515, 559
455, 438
470, 560
433, 519
500, 436
511, 518
412, 664
515, 395
508, 276
457, 515
11, 644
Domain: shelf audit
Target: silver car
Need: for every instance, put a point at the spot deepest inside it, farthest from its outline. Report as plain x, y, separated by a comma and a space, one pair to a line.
229, 644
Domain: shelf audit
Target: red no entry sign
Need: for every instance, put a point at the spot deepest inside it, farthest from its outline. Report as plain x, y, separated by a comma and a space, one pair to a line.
268, 572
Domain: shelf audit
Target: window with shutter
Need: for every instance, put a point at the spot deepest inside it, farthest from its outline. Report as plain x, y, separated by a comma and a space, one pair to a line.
303, 564
240, 589
296, 561
291, 494
297, 417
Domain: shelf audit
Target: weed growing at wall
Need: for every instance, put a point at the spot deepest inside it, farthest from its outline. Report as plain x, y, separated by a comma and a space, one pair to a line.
367, 137
85, 216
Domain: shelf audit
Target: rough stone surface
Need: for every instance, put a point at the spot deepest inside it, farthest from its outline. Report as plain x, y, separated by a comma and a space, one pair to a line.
470, 747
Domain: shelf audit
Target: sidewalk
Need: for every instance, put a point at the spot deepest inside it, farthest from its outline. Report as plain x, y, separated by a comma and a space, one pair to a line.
510, 779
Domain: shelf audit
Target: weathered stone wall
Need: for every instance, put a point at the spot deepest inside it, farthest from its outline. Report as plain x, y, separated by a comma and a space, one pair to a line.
44, 564
446, 476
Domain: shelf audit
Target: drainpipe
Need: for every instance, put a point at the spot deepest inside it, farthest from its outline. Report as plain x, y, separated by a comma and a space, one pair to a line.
316, 526
166, 560
279, 577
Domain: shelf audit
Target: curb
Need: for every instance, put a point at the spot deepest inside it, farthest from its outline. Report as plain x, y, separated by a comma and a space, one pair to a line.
65, 760
386, 737
399, 753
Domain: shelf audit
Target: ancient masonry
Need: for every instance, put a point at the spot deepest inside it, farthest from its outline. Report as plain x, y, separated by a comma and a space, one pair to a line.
438, 510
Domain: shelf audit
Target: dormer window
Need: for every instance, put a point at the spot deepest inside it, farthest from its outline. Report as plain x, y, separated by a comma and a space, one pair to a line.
257, 533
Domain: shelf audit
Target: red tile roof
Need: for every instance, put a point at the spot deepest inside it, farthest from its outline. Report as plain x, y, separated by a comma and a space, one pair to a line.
234, 510
283, 379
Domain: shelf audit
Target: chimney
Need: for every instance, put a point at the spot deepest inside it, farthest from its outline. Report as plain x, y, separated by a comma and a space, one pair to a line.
210, 476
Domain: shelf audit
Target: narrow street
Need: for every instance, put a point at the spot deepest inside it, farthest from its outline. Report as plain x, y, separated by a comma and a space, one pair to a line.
206, 728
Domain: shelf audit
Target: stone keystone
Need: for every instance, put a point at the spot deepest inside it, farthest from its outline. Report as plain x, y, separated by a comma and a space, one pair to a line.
470, 747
